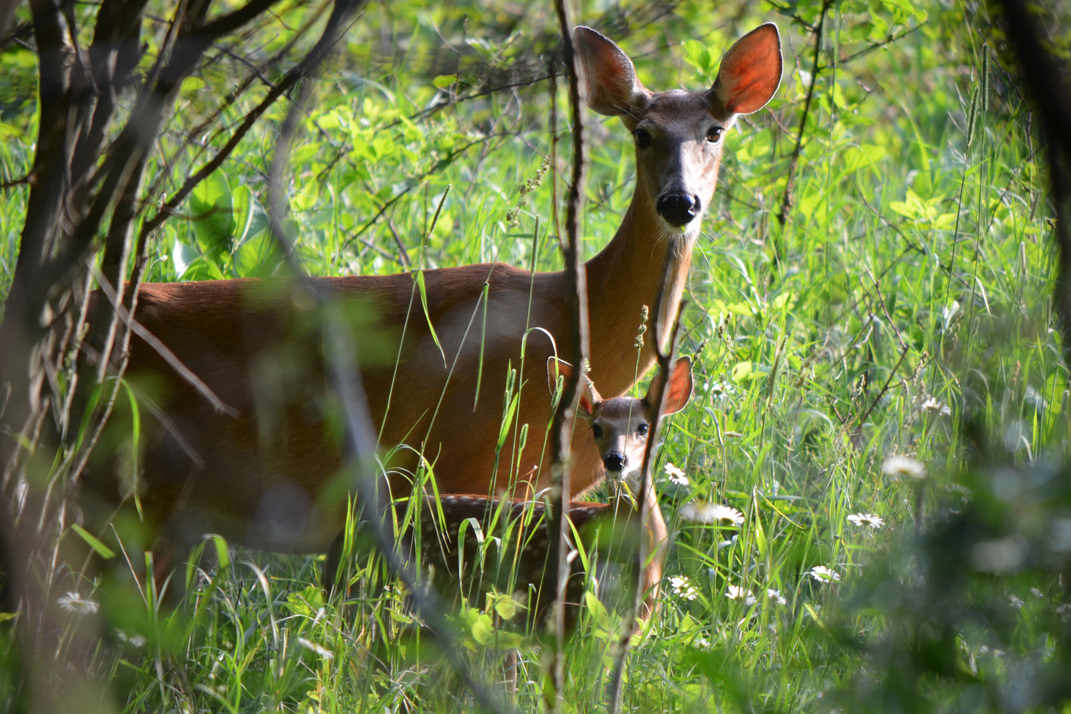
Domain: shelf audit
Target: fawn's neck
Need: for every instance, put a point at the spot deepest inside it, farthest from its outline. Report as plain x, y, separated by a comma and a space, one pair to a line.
624, 277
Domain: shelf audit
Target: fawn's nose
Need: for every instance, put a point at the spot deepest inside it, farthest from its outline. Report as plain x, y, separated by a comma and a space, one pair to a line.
614, 461
679, 209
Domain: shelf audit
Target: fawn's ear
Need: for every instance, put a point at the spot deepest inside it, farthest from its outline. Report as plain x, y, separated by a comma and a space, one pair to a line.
607, 78
588, 396
555, 368
680, 387
750, 71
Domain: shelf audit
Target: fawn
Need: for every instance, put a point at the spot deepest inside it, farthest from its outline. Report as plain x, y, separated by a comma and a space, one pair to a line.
619, 427
267, 474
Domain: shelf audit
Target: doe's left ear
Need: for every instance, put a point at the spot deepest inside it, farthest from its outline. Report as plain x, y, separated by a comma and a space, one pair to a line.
750, 71
679, 386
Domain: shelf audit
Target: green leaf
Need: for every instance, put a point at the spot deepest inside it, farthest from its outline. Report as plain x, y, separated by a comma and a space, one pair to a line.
191, 84
213, 215
503, 432
444, 80
859, 157
483, 631
91, 540
742, 371
8, 130
418, 276
257, 257
244, 204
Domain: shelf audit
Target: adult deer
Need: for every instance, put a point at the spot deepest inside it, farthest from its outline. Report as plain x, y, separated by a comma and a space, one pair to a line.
267, 474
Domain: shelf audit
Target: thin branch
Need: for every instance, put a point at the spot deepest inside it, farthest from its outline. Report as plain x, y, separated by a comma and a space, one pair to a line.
360, 439
1045, 79
161, 349
884, 388
576, 307
786, 199
665, 366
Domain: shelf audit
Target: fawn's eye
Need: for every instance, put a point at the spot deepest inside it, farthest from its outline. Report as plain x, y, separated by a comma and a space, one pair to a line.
642, 430
714, 134
643, 138
596, 431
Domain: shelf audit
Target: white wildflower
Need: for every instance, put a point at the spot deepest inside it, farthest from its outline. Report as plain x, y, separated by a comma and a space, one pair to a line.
137, 640
74, 602
901, 466
701, 642
1036, 593
318, 649
676, 475
1015, 602
683, 587
703, 512
1064, 611
735, 592
932, 405
824, 575
776, 597
866, 519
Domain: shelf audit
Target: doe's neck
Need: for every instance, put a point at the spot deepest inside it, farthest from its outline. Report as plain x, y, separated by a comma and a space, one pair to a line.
624, 277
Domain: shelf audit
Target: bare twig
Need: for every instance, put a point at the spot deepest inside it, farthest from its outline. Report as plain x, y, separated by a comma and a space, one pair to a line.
665, 362
884, 388
360, 439
168, 356
1045, 79
786, 199
577, 307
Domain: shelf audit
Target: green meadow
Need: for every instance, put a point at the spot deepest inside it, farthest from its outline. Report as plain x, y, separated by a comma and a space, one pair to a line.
880, 399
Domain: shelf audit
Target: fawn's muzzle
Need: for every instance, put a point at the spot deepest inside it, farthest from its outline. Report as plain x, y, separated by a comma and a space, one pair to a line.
614, 461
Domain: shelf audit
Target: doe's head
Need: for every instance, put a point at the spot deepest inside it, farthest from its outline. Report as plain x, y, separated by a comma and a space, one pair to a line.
679, 134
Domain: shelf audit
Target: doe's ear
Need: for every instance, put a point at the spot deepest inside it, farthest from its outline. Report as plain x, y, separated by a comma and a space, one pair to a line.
750, 71
680, 387
607, 77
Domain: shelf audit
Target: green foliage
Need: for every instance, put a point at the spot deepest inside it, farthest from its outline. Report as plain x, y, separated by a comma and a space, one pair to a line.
905, 296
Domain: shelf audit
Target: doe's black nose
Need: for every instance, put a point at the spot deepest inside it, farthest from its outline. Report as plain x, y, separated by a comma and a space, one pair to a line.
614, 461
679, 209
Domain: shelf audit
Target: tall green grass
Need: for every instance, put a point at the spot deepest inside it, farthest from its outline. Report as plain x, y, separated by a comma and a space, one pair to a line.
905, 296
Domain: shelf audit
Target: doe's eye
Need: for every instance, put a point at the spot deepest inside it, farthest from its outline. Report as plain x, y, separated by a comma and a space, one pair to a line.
643, 138
596, 431
714, 134
642, 430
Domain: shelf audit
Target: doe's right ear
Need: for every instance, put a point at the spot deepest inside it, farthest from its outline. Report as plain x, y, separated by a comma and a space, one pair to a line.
750, 71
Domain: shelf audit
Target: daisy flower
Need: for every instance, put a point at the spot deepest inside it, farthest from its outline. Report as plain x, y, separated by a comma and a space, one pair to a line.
776, 597
824, 575
903, 466
683, 587
932, 405
73, 602
676, 475
702, 512
735, 592
866, 519
137, 640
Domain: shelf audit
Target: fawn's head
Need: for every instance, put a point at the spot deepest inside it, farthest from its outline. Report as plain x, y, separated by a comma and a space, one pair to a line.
678, 133
620, 425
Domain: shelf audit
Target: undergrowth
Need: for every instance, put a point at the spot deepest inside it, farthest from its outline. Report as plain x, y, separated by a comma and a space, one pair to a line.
852, 309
